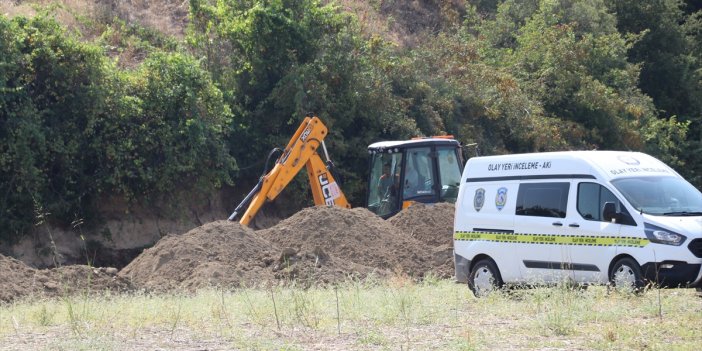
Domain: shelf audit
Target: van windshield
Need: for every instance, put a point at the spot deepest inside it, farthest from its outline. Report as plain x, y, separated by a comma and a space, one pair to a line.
661, 196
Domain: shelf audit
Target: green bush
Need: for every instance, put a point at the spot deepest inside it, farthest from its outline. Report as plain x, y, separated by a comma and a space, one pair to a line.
74, 128
168, 130
51, 99
515, 76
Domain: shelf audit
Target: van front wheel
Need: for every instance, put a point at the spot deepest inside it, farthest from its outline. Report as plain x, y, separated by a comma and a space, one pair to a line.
484, 278
626, 275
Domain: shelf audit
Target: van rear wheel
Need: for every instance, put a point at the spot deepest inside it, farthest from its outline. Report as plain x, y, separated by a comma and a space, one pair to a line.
484, 278
626, 275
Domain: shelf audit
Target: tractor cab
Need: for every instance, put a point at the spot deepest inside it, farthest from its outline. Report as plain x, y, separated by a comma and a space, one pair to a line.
426, 170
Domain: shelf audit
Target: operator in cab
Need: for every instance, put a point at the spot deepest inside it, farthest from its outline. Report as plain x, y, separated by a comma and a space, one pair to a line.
386, 183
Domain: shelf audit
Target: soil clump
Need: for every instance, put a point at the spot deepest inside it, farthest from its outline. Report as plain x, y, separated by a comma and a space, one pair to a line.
229, 255
219, 253
352, 236
432, 225
316, 246
20, 280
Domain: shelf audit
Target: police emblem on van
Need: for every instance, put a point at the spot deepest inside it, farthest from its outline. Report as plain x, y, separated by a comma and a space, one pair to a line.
479, 199
501, 198
629, 160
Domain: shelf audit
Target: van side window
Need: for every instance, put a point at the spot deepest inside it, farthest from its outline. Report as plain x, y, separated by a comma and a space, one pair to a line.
591, 200
543, 199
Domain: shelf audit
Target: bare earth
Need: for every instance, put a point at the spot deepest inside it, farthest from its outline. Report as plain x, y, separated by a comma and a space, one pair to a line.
316, 246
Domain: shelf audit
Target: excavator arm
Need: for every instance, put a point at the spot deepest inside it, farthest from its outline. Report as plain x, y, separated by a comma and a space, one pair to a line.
300, 151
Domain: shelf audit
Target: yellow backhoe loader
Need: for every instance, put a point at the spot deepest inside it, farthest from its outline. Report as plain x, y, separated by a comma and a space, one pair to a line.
426, 170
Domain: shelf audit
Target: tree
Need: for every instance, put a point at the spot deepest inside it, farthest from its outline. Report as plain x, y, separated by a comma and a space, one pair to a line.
569, 57
75, 129
671, 70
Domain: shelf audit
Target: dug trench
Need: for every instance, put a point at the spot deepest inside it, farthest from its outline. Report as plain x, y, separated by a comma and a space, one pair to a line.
316, 246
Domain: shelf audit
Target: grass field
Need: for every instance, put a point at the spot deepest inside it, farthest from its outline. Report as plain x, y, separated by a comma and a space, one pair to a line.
390, 315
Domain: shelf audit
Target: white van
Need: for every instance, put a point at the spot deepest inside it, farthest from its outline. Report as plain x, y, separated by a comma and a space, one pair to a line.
589, 217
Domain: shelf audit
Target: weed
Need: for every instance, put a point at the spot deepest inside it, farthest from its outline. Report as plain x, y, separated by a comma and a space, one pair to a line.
175, 318
610, 335
305, 309
43, 316
465, 341
275, 310
253, 309
559, 322
431, 279
373, 337
72, 316
338, 315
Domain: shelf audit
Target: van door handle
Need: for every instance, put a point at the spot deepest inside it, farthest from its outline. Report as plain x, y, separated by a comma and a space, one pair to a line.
558, 224
574, 225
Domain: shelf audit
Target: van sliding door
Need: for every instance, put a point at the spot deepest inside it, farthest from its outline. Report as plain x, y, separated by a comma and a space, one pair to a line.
541, 212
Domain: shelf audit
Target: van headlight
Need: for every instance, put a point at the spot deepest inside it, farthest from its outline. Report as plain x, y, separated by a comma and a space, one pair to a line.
663, 236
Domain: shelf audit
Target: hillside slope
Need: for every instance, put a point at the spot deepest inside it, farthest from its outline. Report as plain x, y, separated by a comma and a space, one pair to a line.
402, 22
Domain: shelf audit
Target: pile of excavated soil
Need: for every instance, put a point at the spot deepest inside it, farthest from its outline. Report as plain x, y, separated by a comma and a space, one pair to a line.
219, 253
20, 280
431, 225
317, 245
354, 236
17, 279
226, 254
80, 279
314, 268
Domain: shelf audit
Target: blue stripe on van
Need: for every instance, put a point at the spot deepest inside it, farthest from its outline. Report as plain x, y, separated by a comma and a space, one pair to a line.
568, 266
531, 177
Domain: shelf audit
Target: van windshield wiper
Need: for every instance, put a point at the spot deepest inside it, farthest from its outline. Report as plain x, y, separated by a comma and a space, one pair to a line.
683, 213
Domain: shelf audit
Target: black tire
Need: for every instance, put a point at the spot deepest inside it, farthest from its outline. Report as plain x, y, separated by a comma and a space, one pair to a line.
484, 278
626, 275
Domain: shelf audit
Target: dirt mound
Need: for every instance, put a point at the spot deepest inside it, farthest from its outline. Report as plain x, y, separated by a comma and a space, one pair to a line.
352, 236
20, 280
80, 279
17, 279
431, 225
317, 245
219, 253
318, 268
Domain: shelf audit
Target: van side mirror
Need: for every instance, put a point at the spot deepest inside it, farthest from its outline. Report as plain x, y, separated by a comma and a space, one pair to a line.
609, 212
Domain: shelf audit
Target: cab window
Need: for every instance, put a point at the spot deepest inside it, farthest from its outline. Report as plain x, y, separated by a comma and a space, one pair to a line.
543, 199
591, 200
419, 179
384, 183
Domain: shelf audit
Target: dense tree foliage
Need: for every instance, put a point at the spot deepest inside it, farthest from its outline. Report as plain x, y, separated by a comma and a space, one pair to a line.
74, 129
667, 50
510, 75
278, 60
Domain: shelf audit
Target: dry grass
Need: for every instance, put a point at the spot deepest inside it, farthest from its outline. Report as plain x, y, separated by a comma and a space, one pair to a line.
372, 21
400, 22
126, 29
396, 314
166, 16
66, 12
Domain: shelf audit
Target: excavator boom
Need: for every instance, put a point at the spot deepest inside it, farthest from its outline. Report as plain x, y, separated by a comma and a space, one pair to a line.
300, 151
